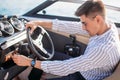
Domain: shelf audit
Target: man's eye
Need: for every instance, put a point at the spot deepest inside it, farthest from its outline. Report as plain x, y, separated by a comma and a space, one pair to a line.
84, 24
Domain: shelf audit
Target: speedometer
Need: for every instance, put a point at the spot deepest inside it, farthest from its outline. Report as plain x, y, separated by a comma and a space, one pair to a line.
17, 24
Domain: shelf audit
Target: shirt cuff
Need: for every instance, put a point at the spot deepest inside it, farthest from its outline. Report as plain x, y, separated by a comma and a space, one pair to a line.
44, 66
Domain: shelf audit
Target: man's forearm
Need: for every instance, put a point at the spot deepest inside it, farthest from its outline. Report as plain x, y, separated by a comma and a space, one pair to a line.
45, 24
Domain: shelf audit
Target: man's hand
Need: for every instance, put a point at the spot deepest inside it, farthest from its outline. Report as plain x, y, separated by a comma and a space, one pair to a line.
21, 60
32, 26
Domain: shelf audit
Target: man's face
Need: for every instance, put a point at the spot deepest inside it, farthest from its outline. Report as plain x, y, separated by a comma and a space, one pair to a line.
90, 25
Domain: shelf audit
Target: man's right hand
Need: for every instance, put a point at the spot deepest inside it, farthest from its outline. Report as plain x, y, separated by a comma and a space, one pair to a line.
31, 25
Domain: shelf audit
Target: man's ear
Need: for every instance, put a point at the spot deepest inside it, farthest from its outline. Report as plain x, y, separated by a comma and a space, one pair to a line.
99, 19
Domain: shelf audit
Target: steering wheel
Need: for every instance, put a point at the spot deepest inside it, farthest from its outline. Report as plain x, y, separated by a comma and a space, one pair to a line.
36, 45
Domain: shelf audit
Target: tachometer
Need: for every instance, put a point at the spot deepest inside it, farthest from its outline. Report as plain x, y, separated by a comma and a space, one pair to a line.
6, 27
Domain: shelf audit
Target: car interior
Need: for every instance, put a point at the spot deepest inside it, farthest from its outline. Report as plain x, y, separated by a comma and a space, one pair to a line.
14, 37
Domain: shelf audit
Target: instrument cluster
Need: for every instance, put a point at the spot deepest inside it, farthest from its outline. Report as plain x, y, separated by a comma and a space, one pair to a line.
10, 25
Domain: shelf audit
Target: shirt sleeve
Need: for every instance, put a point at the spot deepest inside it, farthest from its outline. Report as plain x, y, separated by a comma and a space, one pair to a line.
68, 27
92, 60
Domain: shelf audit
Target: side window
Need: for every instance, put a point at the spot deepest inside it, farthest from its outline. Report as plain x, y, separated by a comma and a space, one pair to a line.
113, 15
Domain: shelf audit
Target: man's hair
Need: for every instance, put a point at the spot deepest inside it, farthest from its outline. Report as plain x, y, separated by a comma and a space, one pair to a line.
91, 7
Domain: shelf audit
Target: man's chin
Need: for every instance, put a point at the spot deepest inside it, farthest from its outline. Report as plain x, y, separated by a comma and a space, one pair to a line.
91, 35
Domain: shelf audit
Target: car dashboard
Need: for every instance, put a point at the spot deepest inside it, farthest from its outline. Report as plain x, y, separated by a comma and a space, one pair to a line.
12, 39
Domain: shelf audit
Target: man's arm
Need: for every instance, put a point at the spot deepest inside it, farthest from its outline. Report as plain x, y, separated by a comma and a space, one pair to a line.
45, 24
70, 27
22, 60
34, 24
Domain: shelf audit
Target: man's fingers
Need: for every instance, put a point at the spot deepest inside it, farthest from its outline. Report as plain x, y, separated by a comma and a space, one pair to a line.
31, 25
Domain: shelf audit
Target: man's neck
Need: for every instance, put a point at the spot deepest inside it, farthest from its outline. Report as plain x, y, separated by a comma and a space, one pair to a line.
104, 27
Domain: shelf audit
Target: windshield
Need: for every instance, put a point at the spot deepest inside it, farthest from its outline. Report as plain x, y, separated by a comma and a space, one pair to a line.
59, 8
112, 10
18, 7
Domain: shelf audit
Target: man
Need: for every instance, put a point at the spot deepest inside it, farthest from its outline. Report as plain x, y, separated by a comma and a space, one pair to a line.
101, 55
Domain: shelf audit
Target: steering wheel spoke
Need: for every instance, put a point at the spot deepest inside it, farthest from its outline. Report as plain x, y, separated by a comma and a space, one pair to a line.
38, 41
